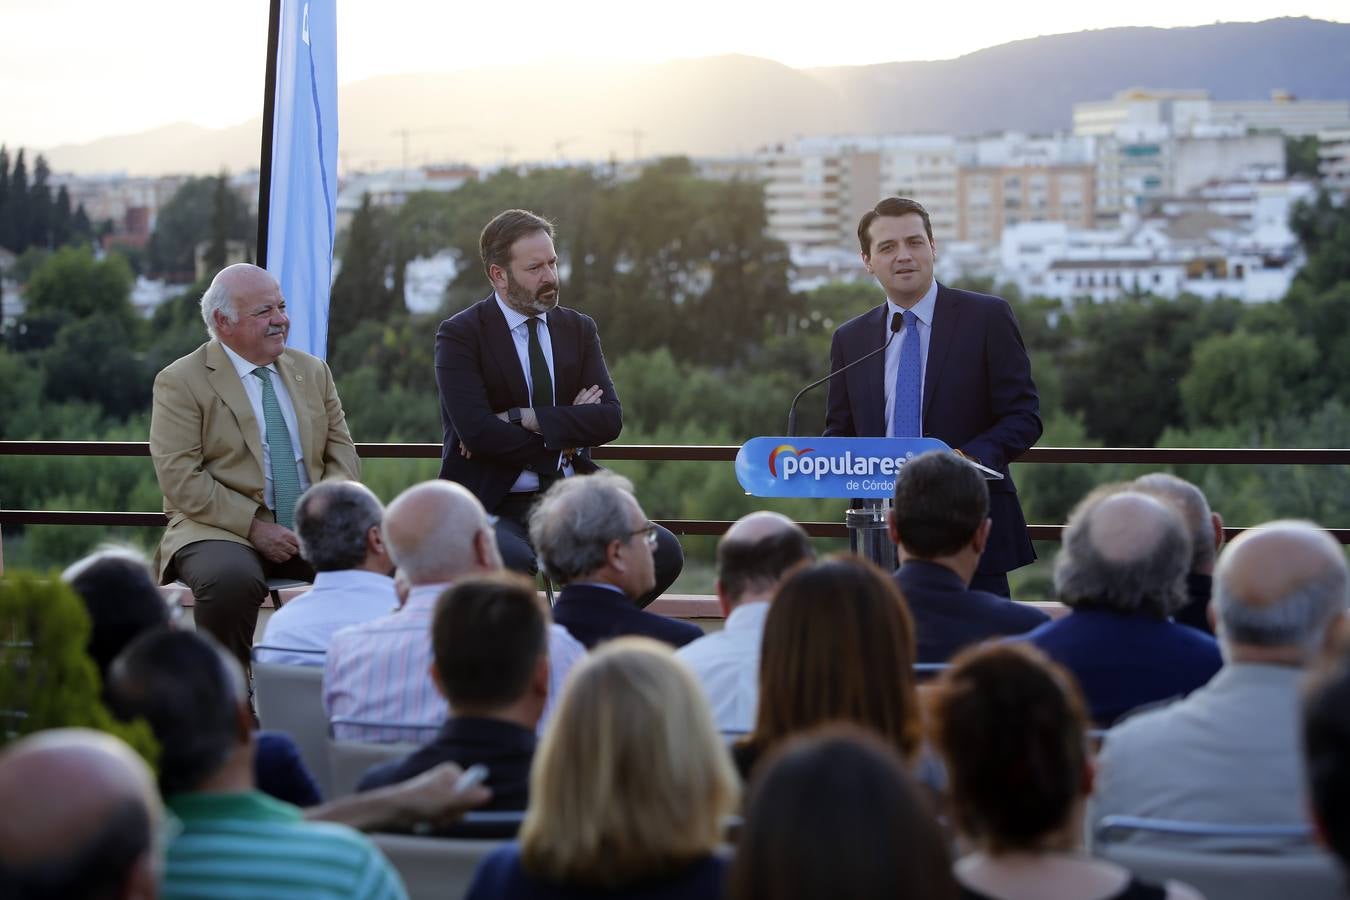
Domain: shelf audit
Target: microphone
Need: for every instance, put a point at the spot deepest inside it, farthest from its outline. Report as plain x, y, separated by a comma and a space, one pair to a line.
896, 321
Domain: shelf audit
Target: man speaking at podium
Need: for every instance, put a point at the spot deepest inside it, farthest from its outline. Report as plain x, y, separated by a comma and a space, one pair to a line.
957, 371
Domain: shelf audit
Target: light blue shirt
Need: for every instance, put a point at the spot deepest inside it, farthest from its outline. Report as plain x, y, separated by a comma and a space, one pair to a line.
308, 622
923, 311
726, 663
520, 335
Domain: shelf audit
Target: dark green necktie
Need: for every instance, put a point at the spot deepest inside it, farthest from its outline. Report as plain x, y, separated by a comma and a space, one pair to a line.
541, 387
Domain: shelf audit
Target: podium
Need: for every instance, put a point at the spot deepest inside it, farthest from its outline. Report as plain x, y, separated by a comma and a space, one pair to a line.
862, 470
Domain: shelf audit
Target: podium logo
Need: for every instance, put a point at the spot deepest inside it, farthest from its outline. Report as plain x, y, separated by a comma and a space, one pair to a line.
791, 456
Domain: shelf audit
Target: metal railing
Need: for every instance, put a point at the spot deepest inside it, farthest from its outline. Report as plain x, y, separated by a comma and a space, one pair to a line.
685, 453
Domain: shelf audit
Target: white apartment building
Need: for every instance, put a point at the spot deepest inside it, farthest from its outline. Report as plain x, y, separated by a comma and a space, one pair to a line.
1334, 159
1183, 110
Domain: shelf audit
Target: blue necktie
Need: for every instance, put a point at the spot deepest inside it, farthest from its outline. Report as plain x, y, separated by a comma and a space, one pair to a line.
908, 375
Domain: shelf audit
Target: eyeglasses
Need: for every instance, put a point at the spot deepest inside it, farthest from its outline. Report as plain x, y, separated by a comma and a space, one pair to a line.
649, 532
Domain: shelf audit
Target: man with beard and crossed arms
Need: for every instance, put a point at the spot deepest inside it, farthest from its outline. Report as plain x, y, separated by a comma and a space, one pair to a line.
525, 392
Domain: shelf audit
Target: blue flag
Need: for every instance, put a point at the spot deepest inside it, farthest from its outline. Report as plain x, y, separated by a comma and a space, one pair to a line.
302, 202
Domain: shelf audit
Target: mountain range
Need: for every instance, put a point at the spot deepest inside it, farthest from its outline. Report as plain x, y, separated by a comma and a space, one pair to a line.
728, 105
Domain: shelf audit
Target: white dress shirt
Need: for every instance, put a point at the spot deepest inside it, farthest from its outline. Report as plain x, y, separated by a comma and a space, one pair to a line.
520, 335
253, 390
923, 311
726, 662
308, 622
380, 671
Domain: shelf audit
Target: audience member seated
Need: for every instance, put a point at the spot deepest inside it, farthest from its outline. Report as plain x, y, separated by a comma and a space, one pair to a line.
380, 671
1206, 528
629, 791
119, 591
939, 525
1011, 726
835, 814
1122, 570
838, 646
1326, 751
193, 695
81, 818
490, 640
752, 558
593, 538
338, 526
122, 599
1229, 753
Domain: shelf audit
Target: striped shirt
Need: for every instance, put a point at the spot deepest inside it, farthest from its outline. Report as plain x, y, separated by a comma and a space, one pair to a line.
249, 846
380, 671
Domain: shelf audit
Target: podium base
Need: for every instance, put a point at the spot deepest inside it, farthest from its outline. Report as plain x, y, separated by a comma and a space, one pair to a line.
867, 534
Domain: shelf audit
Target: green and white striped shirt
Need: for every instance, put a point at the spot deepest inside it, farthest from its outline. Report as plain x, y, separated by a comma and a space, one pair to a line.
253, 847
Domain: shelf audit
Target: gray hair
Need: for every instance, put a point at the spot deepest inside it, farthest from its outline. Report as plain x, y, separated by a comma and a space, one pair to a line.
572, 526
1148, 578
218, 299
1190, 501
332, 519
1300, 617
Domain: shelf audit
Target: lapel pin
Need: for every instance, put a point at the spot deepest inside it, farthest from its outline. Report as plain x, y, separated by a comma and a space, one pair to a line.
299, 378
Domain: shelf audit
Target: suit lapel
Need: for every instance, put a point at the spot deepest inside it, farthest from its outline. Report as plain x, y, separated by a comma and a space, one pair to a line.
565, 374
224, 380
874, 373
502, 348
946, 319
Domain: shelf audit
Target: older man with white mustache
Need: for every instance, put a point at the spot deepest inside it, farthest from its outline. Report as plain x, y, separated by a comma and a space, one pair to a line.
240, 428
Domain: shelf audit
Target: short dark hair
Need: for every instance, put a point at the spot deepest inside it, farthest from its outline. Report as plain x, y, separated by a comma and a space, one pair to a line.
93, 869
122, 599
189, 689
1326, 751
487, 636
499, 235
891, 207
1011, 726
743, 565
940, 502
835, 814
332, 520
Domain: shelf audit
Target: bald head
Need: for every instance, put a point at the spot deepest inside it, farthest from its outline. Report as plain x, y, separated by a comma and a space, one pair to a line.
1280, 585
1206, 530
756, 552
1125, 551
437, 531
80, 810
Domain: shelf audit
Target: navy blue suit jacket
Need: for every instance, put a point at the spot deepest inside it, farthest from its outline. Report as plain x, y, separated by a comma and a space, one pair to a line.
978, 397
478, 374
595, 614
1123, 662
948, 616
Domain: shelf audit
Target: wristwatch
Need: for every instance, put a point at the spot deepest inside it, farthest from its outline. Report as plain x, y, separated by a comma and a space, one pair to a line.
513, 415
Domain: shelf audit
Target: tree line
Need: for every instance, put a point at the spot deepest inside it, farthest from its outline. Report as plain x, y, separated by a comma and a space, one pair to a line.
31, 215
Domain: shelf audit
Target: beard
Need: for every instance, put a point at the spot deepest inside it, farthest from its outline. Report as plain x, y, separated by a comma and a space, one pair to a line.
526, 302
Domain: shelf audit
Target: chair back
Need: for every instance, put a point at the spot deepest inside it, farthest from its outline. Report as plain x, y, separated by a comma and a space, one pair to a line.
1307, 873
349, 760
290, 699
434, 868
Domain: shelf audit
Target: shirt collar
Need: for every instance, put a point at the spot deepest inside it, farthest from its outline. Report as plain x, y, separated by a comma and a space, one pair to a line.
923, 310
342, 578
242, 366
515, 319
747, 616
424, 596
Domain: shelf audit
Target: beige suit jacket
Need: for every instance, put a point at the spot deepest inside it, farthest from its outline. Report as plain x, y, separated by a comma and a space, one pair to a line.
207, 447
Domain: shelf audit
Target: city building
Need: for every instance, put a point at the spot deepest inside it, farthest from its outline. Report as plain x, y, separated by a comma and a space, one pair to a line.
1181, 111
1334, 160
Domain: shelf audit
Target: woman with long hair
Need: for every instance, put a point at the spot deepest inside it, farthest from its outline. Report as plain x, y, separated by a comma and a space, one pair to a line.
629, 790
1012, 728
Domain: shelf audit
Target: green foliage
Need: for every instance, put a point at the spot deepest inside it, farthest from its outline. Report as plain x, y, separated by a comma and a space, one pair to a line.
361, 291
31, 216
72, 283
1300, 155
1247, 378
47, 680
198, 211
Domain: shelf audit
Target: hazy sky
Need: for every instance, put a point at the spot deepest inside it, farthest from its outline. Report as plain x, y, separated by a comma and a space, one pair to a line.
74, 70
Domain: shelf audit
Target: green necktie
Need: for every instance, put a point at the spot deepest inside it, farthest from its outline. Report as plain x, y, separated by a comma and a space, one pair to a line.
541, 386
285, 476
